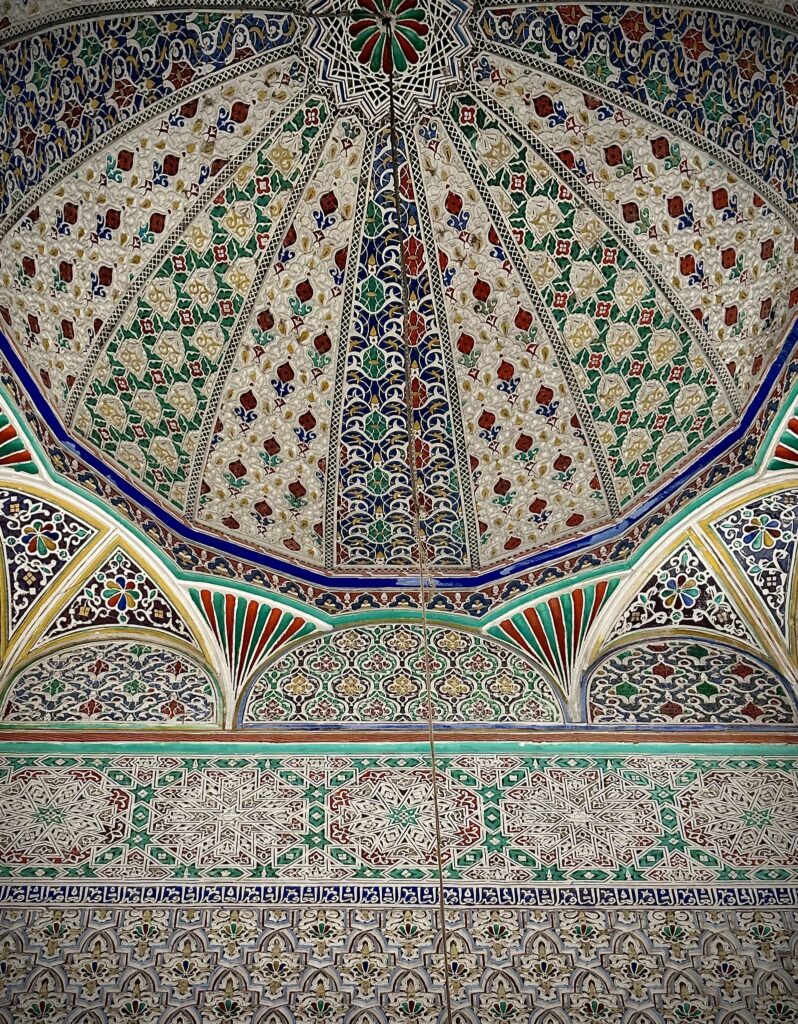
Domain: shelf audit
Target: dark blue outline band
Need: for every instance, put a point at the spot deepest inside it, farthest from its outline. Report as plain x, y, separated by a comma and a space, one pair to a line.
465, 581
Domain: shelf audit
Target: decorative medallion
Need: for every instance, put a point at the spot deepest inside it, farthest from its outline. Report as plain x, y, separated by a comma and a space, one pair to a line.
418, 45
62, 817
389, 36
388, 820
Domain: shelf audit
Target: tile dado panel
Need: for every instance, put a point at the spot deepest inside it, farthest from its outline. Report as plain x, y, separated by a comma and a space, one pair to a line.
285, 966
509, 814
183, 884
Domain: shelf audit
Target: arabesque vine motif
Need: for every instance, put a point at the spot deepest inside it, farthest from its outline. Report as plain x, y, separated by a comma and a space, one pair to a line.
376, 675
726, 63
40, 539
375, 525
686, 681
112, 682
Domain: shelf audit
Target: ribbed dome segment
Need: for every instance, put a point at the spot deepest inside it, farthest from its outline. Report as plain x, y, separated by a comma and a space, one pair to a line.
201, 264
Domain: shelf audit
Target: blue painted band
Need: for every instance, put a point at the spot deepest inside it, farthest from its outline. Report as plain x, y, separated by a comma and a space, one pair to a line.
543, 896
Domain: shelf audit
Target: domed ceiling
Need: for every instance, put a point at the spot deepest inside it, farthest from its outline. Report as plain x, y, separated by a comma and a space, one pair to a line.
207, 277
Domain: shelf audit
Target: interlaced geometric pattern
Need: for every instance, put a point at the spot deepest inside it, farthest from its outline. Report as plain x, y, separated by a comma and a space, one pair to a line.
580, 818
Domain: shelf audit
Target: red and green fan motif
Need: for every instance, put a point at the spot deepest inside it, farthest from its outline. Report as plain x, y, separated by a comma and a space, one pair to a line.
785, 455
13, 452
552, 632
248, 630
388, 34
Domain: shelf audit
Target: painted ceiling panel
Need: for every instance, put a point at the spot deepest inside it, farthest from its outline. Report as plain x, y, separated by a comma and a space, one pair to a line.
93, 237
218, 293
698, 230
534, 475
648, 402
264, 473
375, 523
631, 52
186, 318
68, 78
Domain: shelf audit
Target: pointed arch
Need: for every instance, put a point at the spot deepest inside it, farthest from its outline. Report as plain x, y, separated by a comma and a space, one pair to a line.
84, 1016
272, 1015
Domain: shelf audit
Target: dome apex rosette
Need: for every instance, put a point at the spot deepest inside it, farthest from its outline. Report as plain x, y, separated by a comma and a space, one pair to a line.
419, 43
389, 36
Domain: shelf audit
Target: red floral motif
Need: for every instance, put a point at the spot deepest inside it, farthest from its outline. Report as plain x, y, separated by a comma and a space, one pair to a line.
571, 14
671, 709
180, 74
173, 709
388, 35
693, 43
465, 344
634, 25
453, 203
90, 708
416, 325
523, 319
123, 92
414, 256
481, 290
747, 64
72, 113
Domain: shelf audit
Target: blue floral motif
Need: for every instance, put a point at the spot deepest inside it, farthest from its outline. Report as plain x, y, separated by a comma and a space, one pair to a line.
736, 78
80, 90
